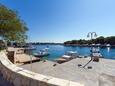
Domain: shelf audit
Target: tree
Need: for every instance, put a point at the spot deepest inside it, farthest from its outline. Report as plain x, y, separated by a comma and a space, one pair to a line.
74, 42
110, 40
100, 40
12, 28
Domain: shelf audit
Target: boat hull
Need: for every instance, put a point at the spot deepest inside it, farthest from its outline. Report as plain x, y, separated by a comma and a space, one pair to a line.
41, 55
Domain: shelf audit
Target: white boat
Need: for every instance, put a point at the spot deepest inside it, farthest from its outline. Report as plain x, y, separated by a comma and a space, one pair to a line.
108, 45
30, 47
73, 54
95, 52
45, 50
67, 56
96, 55
42, 53
70, 55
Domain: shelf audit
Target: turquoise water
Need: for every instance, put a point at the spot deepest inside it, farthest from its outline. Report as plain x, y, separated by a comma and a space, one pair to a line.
57, 51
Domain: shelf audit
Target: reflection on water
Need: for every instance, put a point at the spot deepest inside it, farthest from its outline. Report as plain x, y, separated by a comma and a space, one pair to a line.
108, 49
57, 51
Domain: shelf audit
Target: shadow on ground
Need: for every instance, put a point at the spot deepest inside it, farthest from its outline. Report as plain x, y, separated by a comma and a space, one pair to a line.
4, 82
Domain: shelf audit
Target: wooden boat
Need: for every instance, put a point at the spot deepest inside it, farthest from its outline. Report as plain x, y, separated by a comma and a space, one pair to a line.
61, 60
67, 57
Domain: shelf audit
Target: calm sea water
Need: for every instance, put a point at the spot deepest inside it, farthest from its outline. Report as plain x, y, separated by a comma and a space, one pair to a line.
57, 51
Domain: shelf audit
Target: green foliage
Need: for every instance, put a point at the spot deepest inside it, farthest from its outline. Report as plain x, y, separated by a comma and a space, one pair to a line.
11, 27
2, 45
110, 40
99, 40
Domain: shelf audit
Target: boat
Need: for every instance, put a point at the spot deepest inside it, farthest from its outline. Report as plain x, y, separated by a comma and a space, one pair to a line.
69, 55
42, 53
108, 45
39, 54
30, 47
95, 55
96, 52
61, 60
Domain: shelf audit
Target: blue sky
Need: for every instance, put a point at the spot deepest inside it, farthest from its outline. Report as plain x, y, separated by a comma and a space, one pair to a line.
61, 20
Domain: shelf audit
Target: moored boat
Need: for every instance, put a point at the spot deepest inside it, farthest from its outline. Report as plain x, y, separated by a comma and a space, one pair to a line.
61, 60
30, 47
95, 52
69, 55
42, 53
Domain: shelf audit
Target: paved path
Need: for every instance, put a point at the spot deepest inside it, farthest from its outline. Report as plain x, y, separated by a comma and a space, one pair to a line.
71, 71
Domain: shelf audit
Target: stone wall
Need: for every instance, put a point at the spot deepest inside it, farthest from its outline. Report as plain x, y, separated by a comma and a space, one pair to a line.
22, 77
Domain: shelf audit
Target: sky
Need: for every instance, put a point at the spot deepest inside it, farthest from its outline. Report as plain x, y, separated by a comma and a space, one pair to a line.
63, 20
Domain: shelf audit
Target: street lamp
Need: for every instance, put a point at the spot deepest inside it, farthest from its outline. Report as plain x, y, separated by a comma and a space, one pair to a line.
90, 34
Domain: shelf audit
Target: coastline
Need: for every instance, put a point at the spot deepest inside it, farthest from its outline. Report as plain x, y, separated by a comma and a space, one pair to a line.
88, 45
76, 45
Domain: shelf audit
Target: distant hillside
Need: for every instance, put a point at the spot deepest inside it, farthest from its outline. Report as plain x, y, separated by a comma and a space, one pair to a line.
37, 43
100, 40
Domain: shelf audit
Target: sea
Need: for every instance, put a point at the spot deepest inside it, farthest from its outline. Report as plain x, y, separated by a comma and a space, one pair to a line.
56, 51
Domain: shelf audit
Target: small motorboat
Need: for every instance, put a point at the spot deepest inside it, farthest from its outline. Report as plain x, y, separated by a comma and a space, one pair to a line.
67, 57
61, 60
108, 45
30, 47
42, 53
70, 54
95, 52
